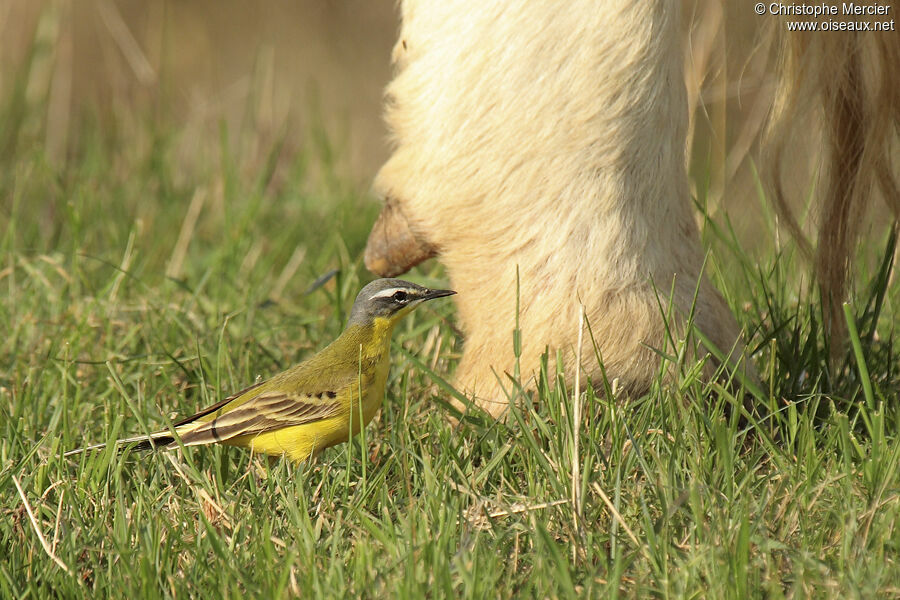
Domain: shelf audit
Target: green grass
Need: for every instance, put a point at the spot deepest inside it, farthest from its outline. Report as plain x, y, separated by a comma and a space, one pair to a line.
110, 326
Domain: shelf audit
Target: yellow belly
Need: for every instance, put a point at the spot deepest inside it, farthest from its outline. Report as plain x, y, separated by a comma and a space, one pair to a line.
301, 441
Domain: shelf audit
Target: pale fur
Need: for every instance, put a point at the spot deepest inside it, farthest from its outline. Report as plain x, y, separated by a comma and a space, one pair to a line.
549, 140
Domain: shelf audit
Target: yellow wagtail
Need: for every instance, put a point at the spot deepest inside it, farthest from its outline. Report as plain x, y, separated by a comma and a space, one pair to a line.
316, 404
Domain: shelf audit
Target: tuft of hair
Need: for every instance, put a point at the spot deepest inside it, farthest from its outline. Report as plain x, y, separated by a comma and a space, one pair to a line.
851, 83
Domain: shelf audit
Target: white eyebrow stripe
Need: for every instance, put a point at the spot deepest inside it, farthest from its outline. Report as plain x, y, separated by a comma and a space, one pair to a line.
386, 293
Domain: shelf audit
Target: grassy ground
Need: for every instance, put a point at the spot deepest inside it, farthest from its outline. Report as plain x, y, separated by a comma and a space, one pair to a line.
131, 291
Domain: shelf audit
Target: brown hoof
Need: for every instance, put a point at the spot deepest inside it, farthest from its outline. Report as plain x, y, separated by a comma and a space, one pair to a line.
393, 248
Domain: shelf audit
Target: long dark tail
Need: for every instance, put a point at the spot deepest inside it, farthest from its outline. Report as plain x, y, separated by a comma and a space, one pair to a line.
155, 441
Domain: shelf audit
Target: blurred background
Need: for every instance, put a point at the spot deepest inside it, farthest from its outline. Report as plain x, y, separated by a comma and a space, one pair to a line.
264, 70
188, 107
286, 72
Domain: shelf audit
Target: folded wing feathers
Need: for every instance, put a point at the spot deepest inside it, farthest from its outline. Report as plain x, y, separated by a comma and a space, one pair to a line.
267, 412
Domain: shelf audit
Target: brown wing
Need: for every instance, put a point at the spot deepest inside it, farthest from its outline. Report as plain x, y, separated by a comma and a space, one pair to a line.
269, 411
216, 406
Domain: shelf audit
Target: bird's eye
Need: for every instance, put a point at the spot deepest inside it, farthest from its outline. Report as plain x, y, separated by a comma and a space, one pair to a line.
399, 296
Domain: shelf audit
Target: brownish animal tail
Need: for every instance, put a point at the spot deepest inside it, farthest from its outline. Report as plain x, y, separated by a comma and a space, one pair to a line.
852, 81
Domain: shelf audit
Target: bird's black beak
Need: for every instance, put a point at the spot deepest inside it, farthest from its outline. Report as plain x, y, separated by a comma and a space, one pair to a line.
431, 294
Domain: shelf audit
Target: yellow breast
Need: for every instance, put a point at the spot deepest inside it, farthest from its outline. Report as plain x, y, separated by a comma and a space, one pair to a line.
361, 399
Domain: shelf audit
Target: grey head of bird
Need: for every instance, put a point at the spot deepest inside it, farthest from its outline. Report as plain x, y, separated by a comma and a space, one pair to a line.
390, 299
